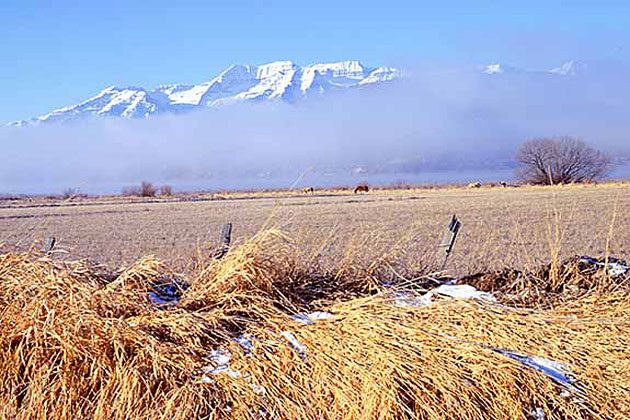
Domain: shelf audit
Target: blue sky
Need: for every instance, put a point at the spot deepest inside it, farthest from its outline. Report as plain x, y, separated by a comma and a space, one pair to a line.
56, 53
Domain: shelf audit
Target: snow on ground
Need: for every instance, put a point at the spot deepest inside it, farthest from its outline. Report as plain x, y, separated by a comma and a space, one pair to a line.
222, 359
293, 341
246, 342
311, 318
555, 370
456, 291
539, 414
616, 267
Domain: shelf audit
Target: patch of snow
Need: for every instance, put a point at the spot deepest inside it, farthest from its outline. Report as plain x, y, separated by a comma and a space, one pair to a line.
493, 69
207, 380
164, 294
616, 267
409, 299
293, 341
462, 291
381, 74
220, 356
570, 68
246, 342
538, 413
311, 318
457, 291
259, 389
554, 370
156, 299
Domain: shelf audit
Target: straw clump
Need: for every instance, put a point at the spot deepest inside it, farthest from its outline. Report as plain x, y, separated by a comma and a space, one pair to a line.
550, 284
80, 341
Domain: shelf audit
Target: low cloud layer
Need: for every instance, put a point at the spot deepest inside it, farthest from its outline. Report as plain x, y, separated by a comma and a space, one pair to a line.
436, 119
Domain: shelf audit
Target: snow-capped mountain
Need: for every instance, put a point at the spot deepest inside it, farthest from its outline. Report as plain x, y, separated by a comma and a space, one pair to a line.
282, 80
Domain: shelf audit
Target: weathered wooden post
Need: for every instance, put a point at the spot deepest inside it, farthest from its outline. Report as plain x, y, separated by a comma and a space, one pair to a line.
49, 245
226, 239
448, 242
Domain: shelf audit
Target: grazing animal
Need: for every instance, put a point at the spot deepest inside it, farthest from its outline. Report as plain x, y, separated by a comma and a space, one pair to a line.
474, 185
308, 190
361, 188
504, 184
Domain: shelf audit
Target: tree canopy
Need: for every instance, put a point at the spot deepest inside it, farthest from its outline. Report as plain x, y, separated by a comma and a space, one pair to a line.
560, 160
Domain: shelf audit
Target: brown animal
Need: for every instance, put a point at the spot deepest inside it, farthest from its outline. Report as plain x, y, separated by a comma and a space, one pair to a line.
361, 188
308, 190
474, 185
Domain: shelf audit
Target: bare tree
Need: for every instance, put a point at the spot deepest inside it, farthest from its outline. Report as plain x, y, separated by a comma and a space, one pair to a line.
560, 160
147, 189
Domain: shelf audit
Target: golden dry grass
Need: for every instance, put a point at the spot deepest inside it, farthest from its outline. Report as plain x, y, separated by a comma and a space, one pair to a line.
80, 341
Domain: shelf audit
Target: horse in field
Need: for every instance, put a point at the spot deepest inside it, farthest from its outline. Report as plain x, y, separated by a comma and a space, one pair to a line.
474, 185
308, 190
361, 189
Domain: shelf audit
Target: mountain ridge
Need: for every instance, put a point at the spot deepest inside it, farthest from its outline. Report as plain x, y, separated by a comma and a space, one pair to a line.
279, 80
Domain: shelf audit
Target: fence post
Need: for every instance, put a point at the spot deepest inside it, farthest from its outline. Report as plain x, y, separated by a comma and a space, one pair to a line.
448, 242
49, 244
226, 239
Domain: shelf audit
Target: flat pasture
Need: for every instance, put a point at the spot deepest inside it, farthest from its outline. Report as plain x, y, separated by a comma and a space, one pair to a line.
502, 227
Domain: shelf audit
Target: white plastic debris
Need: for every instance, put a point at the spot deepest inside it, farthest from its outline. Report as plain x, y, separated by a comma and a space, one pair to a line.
311, 318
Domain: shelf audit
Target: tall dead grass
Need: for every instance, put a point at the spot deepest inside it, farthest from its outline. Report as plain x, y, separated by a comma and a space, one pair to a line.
80, 341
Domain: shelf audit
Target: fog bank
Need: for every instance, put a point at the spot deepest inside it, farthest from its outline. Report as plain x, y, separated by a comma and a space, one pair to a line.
435, 119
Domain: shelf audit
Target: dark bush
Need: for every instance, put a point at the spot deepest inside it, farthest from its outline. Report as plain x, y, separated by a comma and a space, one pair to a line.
166, 190
147, 189
131, 191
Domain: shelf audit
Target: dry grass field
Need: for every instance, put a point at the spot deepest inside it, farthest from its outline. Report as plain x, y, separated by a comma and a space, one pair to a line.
327, 307
509, 227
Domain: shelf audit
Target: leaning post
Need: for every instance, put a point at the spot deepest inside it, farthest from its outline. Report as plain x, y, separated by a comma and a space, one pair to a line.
226, 239
450, 235
49, 245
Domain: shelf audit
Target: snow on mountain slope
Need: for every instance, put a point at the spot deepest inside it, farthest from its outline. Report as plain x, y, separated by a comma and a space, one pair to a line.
112, 102
569, 68
281, 80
